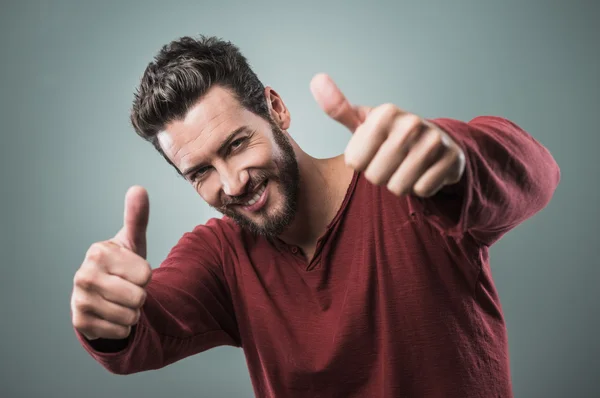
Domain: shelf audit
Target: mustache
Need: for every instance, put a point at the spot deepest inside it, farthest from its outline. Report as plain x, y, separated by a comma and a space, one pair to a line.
254, 181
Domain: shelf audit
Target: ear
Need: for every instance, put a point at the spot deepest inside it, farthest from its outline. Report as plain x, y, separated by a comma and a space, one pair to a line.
277, 109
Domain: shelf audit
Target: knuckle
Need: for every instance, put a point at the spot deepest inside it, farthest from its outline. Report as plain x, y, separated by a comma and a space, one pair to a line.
96, 253
385, 118
373, 177
358, 165
146, 272
77, 278
138, 297
82, 303
121, 332
409, 124
135, 317
404, 125
351, 160
413, 118
130, 317
142, 298
377, 181
81, 322
436, 140
394, 188
420, 191
389, 108
84, 279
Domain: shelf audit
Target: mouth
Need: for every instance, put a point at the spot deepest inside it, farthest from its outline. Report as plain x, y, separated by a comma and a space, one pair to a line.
258, 199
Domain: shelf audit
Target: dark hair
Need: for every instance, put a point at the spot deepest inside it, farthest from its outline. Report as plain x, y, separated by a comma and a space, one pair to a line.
181, 73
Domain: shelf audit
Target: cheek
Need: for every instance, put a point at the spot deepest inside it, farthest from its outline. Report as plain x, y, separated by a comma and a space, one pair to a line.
209, 190
256, 158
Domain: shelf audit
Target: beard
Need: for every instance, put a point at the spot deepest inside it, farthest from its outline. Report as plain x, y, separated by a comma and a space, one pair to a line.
272, 221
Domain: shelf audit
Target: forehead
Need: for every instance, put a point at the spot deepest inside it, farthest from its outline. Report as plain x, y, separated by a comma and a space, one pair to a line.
203, 128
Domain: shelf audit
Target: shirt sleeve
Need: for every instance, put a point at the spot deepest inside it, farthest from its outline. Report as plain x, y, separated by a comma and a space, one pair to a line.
188, 310
508, 177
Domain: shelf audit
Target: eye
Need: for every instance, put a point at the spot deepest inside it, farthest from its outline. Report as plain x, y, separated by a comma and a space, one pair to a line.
237, 143
199, 173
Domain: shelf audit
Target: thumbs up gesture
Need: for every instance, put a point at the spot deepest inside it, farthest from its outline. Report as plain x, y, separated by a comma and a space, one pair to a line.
108, 288
392, 147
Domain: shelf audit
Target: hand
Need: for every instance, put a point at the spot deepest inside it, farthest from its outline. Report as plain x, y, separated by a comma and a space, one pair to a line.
108, 288
391, 146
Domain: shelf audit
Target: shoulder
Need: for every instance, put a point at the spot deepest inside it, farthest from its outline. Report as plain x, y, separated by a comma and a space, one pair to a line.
208, 239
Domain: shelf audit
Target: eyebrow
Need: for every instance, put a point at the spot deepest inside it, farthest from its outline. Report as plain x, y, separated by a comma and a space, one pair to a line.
222, 147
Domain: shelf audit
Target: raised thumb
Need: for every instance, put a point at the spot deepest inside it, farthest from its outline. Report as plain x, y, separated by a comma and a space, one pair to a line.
135, 221
334, 103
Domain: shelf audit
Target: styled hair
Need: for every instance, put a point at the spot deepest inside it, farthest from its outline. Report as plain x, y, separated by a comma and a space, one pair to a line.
181, 73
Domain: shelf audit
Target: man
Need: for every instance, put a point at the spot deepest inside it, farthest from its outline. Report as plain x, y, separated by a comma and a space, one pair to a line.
362, 275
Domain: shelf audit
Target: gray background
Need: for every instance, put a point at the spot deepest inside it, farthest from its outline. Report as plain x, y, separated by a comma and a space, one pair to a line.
67, 73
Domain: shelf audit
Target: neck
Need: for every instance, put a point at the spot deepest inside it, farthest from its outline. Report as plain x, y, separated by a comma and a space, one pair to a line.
323, 186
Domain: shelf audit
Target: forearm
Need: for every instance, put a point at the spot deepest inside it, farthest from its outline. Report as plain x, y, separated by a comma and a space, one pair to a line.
125, 356
509, 176
181, 316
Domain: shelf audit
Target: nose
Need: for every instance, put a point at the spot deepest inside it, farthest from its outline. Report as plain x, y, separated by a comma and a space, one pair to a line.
234, 182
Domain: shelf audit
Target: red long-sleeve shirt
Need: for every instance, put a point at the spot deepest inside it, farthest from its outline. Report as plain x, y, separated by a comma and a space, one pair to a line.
398, 300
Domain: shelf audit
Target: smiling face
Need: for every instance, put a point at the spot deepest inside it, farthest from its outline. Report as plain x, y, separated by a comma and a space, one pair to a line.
239, 163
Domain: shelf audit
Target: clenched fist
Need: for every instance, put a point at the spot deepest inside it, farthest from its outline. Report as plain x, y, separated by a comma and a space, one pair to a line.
394, 148
108, 288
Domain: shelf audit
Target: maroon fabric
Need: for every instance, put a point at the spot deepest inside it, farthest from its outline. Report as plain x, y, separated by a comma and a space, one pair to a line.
398, 300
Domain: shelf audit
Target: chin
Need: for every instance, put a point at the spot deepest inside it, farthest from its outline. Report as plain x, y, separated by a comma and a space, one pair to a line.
268, 222
271, 213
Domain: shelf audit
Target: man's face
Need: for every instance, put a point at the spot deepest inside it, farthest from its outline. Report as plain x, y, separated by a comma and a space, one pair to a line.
241, 165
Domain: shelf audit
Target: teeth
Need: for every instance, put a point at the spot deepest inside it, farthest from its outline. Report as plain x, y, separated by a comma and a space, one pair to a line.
256, 196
